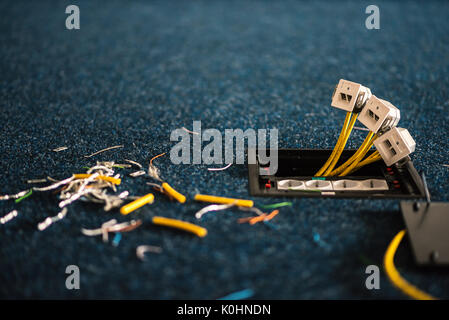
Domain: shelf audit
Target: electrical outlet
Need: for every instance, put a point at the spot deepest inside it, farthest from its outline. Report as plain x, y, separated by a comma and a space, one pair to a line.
379, 115
350, 96
394, 145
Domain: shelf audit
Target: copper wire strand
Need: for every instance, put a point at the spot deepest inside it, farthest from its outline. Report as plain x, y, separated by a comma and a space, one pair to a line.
189, 131
103, 150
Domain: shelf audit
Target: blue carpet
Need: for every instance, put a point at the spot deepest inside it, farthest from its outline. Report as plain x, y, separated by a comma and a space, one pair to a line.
137, 70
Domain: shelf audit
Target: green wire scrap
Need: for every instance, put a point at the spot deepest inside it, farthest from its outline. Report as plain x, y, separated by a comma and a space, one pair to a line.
25, 196
277, 205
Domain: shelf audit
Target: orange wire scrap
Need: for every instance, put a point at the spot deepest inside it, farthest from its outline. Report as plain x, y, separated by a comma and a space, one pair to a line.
264, 218
155, 157
248, 219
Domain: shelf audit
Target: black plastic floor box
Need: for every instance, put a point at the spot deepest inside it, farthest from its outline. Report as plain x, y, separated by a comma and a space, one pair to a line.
296, 169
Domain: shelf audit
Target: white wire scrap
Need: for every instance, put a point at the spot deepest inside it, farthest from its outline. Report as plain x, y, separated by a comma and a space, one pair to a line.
134, 163
137, 173
14, 196
55, 185
109, 226
8, 217
60, 149
50, 220
211, 208
220, 169
141, 250
36, 180
154, 172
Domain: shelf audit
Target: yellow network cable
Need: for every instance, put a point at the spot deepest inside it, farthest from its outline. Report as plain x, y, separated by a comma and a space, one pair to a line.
341, 147
340, 139
394, 275
358, 159
355, 155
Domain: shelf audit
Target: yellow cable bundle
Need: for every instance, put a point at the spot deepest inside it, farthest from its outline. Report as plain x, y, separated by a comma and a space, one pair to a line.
359, 158
394, 275
353, 157
340, 139
341, 147
375, 156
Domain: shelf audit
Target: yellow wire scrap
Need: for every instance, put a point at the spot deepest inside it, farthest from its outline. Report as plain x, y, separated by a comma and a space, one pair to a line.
340, 138
172, 192
104, 178
136, 204
359, 158
222, 200
394, 275
178, 224
341, 147
353, 157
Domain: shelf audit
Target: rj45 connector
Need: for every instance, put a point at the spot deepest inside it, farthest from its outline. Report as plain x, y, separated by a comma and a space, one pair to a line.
395, 145
350, 96
379, 115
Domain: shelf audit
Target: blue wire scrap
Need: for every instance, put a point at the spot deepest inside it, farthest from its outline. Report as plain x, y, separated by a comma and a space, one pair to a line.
239, 295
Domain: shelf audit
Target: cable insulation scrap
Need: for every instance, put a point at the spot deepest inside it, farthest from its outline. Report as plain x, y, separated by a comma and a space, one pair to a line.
178, 224
136, 204
223, 200
103, 150
394, 276
219, 169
